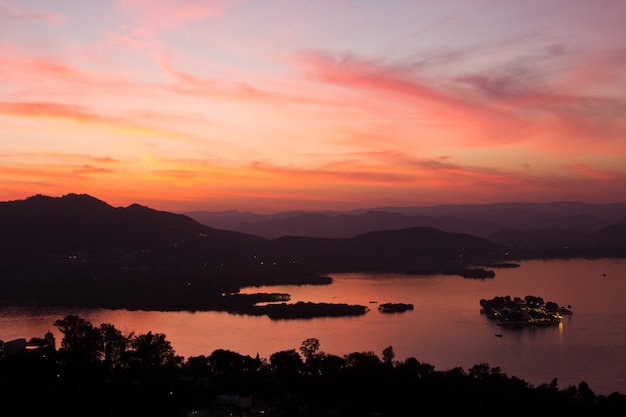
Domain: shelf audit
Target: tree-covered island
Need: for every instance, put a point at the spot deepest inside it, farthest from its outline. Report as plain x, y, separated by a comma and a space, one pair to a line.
529, 311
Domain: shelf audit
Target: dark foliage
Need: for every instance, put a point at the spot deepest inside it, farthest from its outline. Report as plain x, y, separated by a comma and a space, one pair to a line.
146, 378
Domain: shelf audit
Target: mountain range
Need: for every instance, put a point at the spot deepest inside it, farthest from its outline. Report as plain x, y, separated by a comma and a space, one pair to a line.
78, 249
525, 225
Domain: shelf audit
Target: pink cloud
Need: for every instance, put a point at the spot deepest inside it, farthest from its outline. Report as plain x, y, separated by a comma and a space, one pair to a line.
149, 17
566, 93
191, 84
158, 14
443, 104
11, 11
350, 71
590, 172
29, 75
517, 101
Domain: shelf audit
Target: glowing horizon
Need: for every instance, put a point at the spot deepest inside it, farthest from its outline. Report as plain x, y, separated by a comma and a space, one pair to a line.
329, 105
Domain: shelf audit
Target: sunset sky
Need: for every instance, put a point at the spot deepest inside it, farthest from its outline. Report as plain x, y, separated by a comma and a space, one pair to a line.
272, 105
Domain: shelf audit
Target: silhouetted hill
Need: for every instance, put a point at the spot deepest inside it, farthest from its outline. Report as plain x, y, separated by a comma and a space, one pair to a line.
412, 249
81, 223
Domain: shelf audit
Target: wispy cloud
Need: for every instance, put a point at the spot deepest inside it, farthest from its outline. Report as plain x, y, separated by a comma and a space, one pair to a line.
403, 90
238, 89
585, 170
351, 71
150, 17
53, 110
10, 10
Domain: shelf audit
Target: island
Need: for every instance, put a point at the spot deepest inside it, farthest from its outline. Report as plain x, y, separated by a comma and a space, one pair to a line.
479, 273
394, 307
307, 310
274, 306
529, 311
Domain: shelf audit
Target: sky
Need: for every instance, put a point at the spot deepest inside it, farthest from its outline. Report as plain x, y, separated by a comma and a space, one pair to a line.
274, 105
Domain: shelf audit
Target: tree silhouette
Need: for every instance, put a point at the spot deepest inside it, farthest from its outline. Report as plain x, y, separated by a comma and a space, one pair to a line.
286, 363
152, 350
102, 372
388, 356
115, 346
81, 341
309, 348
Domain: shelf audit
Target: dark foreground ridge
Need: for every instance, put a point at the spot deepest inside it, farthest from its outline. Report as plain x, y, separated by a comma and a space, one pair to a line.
99, 371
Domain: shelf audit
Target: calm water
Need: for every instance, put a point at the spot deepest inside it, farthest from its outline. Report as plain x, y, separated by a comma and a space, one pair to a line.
445, 329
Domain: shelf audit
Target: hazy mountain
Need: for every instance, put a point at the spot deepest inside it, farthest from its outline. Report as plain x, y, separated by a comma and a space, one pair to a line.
347, 225
479, 220
520, 213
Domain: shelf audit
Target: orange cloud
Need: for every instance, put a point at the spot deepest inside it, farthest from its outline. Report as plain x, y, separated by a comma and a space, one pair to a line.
53, 110
332, 174
186, 184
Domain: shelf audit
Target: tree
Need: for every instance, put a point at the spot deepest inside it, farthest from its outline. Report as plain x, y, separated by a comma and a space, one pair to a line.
224, 361
362, 360
388, 355
115, 346
286, 362
199, 365
152, 350
81, 341
360, 364
310, 348
330, 365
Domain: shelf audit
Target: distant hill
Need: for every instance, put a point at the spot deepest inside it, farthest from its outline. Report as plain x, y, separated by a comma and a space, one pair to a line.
339, 225
417, 248
535, 226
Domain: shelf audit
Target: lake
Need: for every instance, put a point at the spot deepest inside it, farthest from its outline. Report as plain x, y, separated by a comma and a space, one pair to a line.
445, 328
